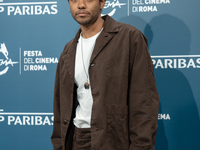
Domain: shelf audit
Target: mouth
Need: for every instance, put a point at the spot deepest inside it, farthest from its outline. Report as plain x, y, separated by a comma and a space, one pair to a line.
82, 13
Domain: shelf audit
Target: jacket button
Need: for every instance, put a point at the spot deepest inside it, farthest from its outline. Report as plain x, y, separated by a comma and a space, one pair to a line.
92, 65
65, 122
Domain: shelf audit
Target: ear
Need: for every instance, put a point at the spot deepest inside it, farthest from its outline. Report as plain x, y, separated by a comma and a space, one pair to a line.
102, 3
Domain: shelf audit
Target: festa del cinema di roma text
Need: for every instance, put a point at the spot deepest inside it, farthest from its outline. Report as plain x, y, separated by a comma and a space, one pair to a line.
147, 5
33, 61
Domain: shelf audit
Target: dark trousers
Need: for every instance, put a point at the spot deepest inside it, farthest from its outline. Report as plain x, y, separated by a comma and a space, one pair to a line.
82, 139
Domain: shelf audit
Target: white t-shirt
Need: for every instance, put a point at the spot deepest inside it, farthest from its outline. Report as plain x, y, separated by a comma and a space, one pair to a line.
84, 96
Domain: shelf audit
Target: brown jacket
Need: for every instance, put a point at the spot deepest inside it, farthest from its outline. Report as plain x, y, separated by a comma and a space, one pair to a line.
125, 107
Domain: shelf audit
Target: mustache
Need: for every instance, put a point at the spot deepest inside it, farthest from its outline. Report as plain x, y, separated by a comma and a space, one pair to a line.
82, 11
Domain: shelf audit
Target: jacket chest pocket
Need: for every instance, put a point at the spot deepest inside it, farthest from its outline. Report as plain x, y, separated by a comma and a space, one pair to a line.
117, 123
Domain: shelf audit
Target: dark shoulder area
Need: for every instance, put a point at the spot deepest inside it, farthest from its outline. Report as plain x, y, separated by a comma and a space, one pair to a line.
129, 29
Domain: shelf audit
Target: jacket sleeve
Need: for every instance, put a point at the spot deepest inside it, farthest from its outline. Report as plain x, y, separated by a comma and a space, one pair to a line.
56, 135
143, 97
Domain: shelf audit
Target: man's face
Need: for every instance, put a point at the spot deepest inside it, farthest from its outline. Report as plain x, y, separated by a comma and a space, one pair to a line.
86, 12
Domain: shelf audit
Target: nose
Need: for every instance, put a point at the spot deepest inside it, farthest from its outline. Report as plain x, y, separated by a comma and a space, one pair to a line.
81, 4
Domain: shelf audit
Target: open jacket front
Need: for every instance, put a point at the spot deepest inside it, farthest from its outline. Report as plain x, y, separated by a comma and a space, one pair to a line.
125, 106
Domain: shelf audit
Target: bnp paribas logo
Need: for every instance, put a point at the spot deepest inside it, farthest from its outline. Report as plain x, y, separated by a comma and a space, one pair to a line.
111, 7
5, 62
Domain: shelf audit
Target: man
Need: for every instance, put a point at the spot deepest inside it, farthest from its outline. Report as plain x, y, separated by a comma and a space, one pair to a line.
105, 94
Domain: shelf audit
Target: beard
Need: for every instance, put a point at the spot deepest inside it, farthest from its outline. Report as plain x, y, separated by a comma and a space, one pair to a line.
85, 20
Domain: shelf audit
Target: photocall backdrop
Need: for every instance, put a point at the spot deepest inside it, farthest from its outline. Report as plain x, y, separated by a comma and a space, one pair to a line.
33, 34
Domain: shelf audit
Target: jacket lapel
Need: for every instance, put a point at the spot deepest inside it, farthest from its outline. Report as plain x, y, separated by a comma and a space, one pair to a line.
109, 31
102, 40
69, 57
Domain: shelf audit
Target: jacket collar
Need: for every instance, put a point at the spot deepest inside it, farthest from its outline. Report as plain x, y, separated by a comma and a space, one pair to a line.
111, 27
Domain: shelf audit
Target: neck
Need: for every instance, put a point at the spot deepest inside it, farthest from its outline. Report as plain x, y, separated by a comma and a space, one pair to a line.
91, 30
